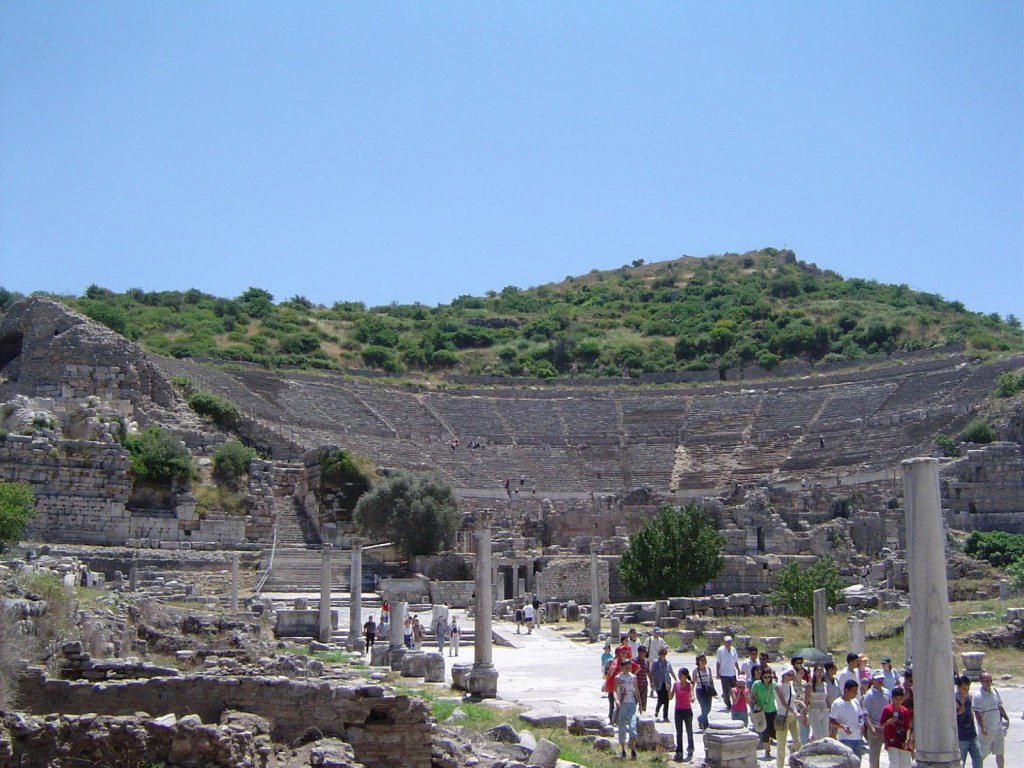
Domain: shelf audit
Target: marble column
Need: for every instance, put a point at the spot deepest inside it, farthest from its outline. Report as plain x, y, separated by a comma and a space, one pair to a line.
234, 581
819, 623
325, 594
133, 575
483, 677
355, 592
856, 635
595, 594
934, 713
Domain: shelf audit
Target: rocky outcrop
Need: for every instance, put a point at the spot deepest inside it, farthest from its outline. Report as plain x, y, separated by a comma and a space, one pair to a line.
49, 350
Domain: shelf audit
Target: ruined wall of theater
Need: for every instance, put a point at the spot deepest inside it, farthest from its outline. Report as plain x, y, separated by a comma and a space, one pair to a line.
385, 731
984, 489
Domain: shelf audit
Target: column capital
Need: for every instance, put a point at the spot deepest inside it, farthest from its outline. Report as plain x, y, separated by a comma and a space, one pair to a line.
484, 517
356, 542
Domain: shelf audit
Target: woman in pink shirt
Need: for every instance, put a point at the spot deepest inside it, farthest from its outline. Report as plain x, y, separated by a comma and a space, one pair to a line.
682, 693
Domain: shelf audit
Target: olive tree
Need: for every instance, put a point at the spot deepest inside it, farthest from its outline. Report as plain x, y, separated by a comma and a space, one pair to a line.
415, 510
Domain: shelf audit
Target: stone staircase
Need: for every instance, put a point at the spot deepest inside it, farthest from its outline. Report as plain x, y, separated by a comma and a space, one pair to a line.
297, 569
293, 527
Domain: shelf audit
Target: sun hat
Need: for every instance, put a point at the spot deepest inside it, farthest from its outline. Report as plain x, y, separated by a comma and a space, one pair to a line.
878, 675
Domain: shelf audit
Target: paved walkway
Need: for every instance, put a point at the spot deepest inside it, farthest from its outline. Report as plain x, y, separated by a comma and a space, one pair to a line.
544, 670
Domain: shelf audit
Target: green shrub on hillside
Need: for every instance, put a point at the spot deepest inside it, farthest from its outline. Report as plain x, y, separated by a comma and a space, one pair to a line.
979, 432
231, 461
157, 457
17, 505
217, 409
999, 548
1009, 384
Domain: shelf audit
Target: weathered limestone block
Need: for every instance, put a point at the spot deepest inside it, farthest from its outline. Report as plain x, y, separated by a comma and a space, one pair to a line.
728, 744
544, 719
434, 669
824, 753
414, 664
545, 754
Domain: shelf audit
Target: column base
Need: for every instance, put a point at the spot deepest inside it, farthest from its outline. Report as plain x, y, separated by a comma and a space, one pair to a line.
483, 682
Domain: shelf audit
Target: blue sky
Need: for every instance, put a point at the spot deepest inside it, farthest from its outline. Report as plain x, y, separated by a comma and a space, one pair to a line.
419, 151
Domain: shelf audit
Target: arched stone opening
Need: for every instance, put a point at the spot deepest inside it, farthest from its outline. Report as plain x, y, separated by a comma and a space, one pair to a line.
10, 350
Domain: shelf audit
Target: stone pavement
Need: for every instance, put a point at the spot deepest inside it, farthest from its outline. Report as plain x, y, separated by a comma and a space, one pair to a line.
547, 671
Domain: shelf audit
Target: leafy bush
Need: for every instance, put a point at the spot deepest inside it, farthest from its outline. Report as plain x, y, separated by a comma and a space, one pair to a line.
999, 548
219, 410
979, 432
157, 457
17, 505
796, 584
231, 461
1009, 384
949, 447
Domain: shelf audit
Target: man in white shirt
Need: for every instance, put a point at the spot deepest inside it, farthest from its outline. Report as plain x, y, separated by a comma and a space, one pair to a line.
850, 673
528, 617
655, 643
750, 661
991, 717
727, 664
847, 716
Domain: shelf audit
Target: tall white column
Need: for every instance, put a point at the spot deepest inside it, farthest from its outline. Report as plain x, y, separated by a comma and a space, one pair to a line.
595, 594
934, 710
483, 677
355, 591
325, 594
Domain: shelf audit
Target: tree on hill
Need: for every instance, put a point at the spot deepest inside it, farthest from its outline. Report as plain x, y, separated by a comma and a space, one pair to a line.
17, 505
415, 510
675, 552
795, 585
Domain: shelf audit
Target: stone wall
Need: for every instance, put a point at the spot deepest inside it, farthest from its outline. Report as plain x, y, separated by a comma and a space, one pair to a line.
83, 489
984, 489
568, 578
457, 594
385, 731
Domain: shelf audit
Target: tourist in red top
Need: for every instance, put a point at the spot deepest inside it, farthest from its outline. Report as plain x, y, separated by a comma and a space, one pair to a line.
642, 675
895, 721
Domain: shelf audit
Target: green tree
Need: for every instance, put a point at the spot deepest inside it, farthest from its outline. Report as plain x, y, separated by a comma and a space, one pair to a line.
415, 510
796, 583
222, 412
676, 551
17, 505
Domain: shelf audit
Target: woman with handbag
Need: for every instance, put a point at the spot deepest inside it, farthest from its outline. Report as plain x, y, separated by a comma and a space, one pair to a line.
705, 685
788, 708
762, 694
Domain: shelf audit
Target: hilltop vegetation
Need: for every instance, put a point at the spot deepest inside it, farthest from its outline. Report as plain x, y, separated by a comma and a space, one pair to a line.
761, 307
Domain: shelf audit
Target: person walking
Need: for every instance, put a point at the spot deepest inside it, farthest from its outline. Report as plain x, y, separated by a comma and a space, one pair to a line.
896, 730
682, 695
528, 617
454, 636
370, 633
727, 665
966, 728
816, 701
847, 718
440, 629
738, 709
762, 695
788, 708
992, 720
662, 676
705, 685
607, 657
800, 680
875, 700
643, 676
627, 695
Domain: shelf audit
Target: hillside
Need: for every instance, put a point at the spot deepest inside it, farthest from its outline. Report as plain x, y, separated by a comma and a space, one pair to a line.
764, 307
